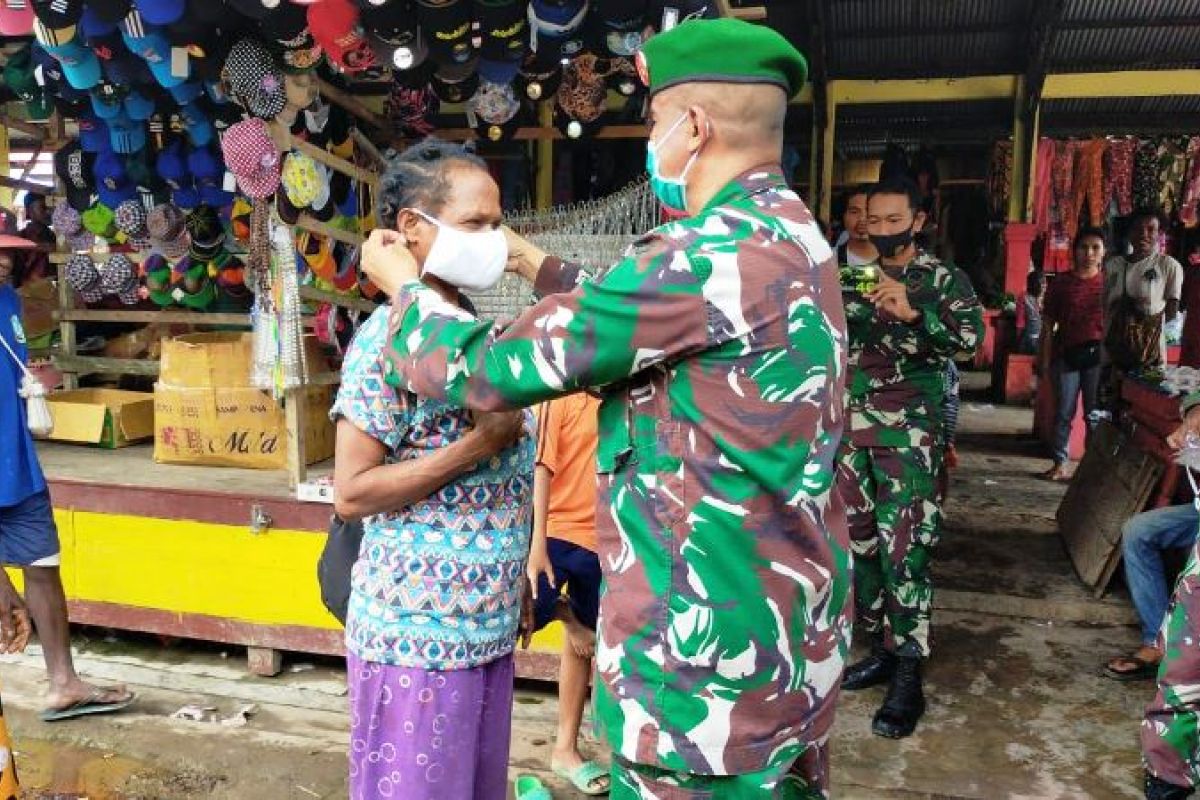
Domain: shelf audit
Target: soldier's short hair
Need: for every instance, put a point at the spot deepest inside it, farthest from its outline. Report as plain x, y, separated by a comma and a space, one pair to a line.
419, 177
898, 185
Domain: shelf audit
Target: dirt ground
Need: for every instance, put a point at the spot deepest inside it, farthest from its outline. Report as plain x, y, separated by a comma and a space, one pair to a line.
1018, 707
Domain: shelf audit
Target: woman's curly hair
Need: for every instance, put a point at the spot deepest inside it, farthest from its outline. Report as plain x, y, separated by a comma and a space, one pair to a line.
419, 177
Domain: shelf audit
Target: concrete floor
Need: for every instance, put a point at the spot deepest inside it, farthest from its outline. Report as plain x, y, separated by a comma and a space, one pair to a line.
1018, 708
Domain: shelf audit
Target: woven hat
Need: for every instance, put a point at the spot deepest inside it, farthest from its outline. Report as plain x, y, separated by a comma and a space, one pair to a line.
583, 92
131, 220
252, 157
302, 181
82, 276
254, 79
168, 232
118, 277
66, 220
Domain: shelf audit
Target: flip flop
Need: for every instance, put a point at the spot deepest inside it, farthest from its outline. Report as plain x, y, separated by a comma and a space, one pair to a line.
529, 787
584, 777
1143, 669
86, 707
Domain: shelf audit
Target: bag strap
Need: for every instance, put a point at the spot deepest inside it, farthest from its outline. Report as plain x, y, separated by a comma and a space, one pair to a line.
20, 364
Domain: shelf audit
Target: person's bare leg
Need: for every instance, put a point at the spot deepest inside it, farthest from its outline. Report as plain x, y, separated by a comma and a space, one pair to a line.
48, 606
574, 674
579, 636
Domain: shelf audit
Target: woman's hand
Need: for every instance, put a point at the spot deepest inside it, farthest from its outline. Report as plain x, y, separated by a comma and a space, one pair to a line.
387, 261
524, 257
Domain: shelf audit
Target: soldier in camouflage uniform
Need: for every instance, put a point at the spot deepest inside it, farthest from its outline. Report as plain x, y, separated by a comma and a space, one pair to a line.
902, 331
1171, 728
718, 345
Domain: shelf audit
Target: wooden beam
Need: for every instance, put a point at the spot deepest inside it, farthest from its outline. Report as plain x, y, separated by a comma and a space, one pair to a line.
539, 134
352, 105
324, 229
544, 176
28, 128
91, 365
344, 300
169, 317
28, 186
978, 87
368, 147
827, 153
748, 13
1019, 178
1134, 83
285, 141
66, 328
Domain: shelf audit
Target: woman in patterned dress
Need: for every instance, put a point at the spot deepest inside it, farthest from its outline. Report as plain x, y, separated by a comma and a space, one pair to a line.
445, 496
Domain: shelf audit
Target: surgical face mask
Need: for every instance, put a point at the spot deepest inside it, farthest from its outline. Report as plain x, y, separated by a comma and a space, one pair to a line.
671, 192
889, 244
471, 260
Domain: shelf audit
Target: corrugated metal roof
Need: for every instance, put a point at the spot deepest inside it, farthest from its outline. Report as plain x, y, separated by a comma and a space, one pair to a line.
933, 55
1125, 48
1122, 106
848, 16
1088, 10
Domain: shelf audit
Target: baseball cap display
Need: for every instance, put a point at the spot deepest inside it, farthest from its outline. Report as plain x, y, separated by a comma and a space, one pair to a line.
557, 28
504, 35
496, 107
447, 28
79, 64
93, 134
254, 79
73, 166
16, 18
60, 16
197, 125
149, 44
451, 88
336, 26
118, 278
252, 157
161, 12
126, 136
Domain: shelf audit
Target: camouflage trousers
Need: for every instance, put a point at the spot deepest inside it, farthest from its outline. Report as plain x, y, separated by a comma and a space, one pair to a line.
891, 498
1171, 728
806, 777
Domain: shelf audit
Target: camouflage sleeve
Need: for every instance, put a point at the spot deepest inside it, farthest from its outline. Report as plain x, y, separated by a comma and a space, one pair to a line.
951, 316
648, 308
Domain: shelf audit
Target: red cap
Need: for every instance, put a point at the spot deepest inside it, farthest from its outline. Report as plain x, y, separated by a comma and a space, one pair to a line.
335, 26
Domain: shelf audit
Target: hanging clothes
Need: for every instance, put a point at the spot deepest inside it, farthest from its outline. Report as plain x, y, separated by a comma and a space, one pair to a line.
1172, 168
1145, 176
1120, 154
1087, 186
1043, 188
1189, 209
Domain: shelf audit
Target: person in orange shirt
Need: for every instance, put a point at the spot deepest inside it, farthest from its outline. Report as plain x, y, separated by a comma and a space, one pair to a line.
563, 553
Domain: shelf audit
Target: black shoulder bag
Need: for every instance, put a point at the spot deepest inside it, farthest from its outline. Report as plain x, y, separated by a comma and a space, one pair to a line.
335, 563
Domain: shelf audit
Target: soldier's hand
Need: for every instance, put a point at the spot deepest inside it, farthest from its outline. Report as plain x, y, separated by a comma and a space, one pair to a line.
1191, 425
387, 261
891, 298
524, 257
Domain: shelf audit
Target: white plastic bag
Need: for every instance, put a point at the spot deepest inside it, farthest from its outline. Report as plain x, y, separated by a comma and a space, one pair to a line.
37, 410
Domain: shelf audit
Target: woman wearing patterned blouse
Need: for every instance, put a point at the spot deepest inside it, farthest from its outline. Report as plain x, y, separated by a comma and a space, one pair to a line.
446, 497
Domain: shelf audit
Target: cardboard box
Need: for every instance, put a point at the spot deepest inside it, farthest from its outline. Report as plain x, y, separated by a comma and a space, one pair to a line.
235, 427
206, 360
105, 417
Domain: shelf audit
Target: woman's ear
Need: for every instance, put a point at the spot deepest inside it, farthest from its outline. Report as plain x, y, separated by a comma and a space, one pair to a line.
406, 223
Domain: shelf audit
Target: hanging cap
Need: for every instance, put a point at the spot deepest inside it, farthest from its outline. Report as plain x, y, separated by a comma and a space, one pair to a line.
251, 155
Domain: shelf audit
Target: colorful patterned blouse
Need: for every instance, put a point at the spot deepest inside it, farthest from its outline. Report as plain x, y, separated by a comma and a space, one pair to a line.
437, 584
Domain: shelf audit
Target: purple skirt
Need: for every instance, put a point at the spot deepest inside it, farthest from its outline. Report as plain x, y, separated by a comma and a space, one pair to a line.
418, 734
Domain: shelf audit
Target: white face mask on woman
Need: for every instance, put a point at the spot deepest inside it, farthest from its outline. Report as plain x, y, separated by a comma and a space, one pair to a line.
471, 260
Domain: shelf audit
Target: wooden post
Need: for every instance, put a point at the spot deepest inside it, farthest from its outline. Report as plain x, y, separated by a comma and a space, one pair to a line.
827, 158
294, 409
814, 168
544, 190
66, 325
1019, 180
6, 196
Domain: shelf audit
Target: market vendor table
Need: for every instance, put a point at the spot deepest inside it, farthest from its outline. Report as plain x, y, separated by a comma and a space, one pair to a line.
218, 554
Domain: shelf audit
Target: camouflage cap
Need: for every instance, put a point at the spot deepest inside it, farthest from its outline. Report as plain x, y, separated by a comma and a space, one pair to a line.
721, 51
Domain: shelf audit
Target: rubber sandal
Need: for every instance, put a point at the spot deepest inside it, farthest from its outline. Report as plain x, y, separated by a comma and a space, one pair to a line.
86, 707
530, 787
1143, 669
584, 777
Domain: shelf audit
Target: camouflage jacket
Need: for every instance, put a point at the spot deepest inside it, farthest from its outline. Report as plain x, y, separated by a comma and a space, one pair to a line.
719, 346
898, 371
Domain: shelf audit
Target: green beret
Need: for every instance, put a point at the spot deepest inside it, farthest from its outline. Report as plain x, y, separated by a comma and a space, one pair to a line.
722, 50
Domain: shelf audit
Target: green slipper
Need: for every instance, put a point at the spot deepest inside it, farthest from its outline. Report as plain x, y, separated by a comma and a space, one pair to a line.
529, 787
584, 777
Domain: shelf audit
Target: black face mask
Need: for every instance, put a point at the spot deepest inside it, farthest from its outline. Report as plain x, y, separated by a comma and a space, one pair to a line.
890, 244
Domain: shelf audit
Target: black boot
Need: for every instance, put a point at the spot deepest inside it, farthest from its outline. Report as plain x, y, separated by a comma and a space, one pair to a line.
874, 670
1157, 789
905, 701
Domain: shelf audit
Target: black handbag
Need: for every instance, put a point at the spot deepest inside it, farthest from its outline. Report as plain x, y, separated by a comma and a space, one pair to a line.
335, 563
1082, 356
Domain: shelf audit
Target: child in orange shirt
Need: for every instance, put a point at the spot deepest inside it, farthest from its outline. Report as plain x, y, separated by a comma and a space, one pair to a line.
563, 551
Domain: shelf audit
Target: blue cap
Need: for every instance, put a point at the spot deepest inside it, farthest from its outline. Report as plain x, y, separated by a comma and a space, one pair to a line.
172, 166
348, 205
112, 184
185, 93
79, 63
205, 167
93, 24
124, 69
498, 71
216, 197
138, 106
186, 198
152, 47
161, 12
126, 135
93, 134
198, 126
106, 106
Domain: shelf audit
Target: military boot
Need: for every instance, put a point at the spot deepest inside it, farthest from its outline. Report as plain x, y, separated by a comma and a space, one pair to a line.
874, 670
904, 703
1157, 789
